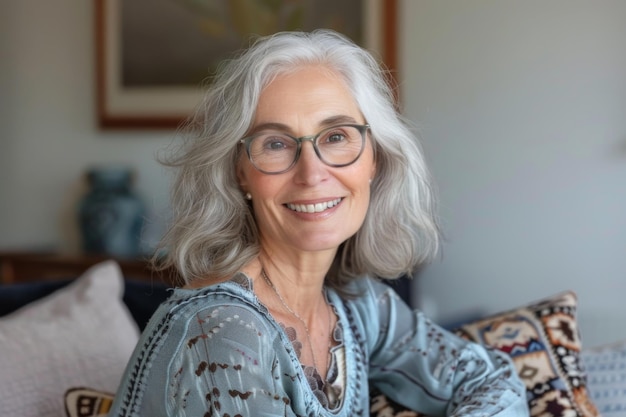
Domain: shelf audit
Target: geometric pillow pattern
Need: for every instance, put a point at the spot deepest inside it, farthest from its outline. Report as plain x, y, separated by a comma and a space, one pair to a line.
543, 340
86, 402
606, 376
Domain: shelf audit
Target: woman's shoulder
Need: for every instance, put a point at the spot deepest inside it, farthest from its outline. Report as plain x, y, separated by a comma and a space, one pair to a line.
225, 319
367, 288
239, 288
232, 298
216, 315
372, 301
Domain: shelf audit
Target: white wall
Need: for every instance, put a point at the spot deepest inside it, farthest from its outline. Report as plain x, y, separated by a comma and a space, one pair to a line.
48, 133
522, 109
521, 106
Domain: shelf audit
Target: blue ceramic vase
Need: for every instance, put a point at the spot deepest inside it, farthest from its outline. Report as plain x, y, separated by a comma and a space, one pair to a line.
111, 215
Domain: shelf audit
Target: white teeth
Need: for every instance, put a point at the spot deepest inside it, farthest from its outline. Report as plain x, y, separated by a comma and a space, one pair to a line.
314, 208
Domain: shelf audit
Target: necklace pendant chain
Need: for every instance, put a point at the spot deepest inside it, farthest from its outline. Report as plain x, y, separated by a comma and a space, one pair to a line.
269, 282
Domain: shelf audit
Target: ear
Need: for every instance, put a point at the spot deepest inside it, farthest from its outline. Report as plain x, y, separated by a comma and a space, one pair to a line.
241, 177
373, 170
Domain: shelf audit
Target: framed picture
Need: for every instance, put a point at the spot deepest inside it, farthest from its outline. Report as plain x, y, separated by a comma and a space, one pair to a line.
154, 56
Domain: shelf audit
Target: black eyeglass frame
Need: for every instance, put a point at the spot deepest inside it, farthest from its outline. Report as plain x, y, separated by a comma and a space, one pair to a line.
313, 139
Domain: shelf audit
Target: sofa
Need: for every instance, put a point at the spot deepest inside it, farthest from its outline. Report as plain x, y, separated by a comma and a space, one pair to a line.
64, 345
70, 338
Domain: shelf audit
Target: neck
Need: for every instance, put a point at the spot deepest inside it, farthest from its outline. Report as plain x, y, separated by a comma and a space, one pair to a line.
299, 279
301, 297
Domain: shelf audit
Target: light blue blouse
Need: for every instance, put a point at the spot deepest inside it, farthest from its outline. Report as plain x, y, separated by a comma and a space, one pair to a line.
217, 351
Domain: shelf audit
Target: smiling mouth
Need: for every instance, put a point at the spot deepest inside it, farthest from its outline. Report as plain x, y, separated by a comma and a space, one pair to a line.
314, 208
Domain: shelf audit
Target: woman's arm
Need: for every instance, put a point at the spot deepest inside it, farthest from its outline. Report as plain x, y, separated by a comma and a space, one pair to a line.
202, 358
429, 369
228, 365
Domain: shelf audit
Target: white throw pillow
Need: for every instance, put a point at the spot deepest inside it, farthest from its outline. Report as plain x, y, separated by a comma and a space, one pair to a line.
80, 335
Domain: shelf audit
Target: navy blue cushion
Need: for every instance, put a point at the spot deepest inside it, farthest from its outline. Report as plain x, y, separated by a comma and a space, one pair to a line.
142, 298
15, 296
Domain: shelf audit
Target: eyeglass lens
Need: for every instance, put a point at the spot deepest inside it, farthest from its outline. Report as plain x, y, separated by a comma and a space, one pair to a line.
275, 152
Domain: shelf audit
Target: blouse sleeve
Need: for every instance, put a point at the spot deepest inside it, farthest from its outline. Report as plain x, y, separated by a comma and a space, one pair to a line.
219, 360
227, 366
431, 370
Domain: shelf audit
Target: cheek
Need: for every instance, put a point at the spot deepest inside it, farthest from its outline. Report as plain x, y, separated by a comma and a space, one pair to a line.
366, 197
366, 173
263, 187
362, 192
366, 191
250, 180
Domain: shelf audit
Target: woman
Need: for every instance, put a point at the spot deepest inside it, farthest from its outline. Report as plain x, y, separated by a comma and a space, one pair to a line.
300, 185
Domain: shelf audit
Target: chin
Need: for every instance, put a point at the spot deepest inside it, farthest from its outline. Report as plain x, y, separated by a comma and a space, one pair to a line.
318, 244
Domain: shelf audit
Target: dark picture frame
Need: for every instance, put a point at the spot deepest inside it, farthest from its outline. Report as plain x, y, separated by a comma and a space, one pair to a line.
164, 96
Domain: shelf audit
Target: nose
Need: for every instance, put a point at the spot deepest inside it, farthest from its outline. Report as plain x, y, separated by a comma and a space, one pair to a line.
309, 169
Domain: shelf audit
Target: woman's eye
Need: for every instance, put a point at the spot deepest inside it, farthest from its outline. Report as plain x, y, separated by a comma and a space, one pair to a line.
275, 143
335, 137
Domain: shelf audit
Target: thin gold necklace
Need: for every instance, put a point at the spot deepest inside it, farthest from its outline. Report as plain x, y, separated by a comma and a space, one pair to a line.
297, 316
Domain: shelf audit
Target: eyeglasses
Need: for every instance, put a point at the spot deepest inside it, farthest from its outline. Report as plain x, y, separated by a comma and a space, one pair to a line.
274, 152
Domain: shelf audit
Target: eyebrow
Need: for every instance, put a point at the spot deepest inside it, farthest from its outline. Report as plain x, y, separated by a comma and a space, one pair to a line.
328, 122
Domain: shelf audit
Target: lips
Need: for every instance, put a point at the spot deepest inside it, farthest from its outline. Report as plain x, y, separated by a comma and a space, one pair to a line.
314, 208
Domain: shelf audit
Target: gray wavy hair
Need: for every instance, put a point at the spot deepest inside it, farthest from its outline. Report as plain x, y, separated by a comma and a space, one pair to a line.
213, 233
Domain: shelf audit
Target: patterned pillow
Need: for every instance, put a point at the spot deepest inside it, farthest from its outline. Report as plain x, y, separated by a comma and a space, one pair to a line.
87, 402
606, 373
543, 340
